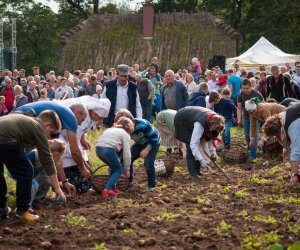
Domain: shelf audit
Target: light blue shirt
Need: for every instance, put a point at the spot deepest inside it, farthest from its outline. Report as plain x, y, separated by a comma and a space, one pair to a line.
294, 135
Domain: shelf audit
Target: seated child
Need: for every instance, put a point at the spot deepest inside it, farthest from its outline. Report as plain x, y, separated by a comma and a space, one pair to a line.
225, 108
108, 145
146, 144
3, 109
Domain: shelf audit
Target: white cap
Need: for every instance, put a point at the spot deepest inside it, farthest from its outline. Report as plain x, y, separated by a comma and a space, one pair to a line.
195, 59
250, 105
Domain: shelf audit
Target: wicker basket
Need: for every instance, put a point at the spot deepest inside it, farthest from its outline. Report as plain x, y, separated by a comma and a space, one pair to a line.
235, 154
99, 181
164, 166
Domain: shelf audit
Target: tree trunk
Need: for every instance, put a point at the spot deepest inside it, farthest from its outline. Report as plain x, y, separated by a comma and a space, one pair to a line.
96, 6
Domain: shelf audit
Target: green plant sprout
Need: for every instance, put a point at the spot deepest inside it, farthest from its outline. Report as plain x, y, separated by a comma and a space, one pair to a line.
101, 246
269, 219
223, 226
74, 220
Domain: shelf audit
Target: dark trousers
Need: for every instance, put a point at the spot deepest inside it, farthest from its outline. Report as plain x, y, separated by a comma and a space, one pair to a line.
192, 165
21, 169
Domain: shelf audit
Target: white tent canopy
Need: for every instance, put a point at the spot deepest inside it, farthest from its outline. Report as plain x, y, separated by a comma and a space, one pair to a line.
262, 53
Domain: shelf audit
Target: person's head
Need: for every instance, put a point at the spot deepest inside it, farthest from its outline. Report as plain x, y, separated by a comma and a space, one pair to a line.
57, 148
37, 79
90, 71
98, 89
23, 81
283, 69
236, 66
32, 85
22, 73
253, 82
80, 112
18, 90
2, 99
262, 68
35, 70
275, 70
272, 126
76, 81
246, 86
213, 75
93, 79
8, 82
226, 93
63, 81
136, 67
85, 81
154, 60
122, 74
297, 68
169, 76
263, 75
214, 97
126, 124
202, 79
100, 74
100, 109
43, 93
77, 73
230, 72
71, 84
250, 74
52, 78
152, 71
216, 124
188, 78
244, 74
194, 60
203, 86
123, 113
138, 78
46, 85
251, 106
66, 74
51, 122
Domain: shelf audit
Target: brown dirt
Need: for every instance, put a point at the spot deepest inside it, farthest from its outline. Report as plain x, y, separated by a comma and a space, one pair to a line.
179, 214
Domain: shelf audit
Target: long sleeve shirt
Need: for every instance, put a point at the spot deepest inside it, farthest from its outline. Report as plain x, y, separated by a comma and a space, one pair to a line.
28, 130
118, 139
195, 141
145, 133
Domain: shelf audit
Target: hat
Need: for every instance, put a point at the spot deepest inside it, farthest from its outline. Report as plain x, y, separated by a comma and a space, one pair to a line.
222, 80
250, 105
123, 69
195, 59
102, 107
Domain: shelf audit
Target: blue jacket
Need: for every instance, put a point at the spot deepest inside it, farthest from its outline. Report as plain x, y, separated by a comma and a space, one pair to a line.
111, 94
182, 96
225, 108
197, 99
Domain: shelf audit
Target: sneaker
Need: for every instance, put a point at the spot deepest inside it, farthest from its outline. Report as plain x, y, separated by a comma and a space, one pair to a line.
27, 215
4, 212
108, 193
117, 191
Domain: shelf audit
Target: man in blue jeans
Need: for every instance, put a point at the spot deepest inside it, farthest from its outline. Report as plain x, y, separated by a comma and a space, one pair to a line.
147, 142
247, 93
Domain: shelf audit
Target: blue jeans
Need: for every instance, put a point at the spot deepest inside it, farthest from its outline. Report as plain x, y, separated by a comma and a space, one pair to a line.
192, 165
147, 109
226, 132
246, 125
157, 102
148, 162
110, 157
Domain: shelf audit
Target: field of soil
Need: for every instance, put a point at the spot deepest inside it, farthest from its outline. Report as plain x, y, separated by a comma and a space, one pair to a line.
257, 210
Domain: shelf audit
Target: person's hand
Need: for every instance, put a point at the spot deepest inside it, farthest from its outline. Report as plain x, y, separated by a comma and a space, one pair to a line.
204, 163
260, 143
145, 152
213, 155
251, 144
126, 173
85, 144
294, 180
85, 173
60, 196
71, 189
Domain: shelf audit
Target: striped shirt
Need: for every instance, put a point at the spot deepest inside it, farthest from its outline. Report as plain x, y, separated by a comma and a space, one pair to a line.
145, 133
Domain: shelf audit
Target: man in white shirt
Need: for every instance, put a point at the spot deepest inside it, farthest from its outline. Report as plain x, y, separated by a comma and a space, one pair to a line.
122, 94
212, 83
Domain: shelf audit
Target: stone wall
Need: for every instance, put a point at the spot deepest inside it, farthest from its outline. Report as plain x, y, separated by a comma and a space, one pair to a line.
104, 41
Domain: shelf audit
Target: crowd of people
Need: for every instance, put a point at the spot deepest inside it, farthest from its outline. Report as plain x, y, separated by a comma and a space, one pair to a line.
44, 121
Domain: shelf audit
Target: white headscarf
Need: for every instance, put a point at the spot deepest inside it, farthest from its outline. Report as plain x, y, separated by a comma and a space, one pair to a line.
250, 105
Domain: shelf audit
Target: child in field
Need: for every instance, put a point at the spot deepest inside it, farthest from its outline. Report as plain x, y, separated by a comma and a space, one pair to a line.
41, 182
226, 93
147, 142
3, 109
225, 108
108, 145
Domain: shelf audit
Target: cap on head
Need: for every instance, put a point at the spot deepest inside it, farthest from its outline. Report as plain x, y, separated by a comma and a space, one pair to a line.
123, 69
250, 105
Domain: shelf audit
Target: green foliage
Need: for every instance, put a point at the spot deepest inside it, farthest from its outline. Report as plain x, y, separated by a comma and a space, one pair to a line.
223, 226
101, 246
253, 241
276, 247
295, 246
164, 215
241, 193
263, 219
75, 220
259, 181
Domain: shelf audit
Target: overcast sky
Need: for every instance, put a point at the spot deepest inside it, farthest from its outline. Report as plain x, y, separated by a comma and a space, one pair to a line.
52, 4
